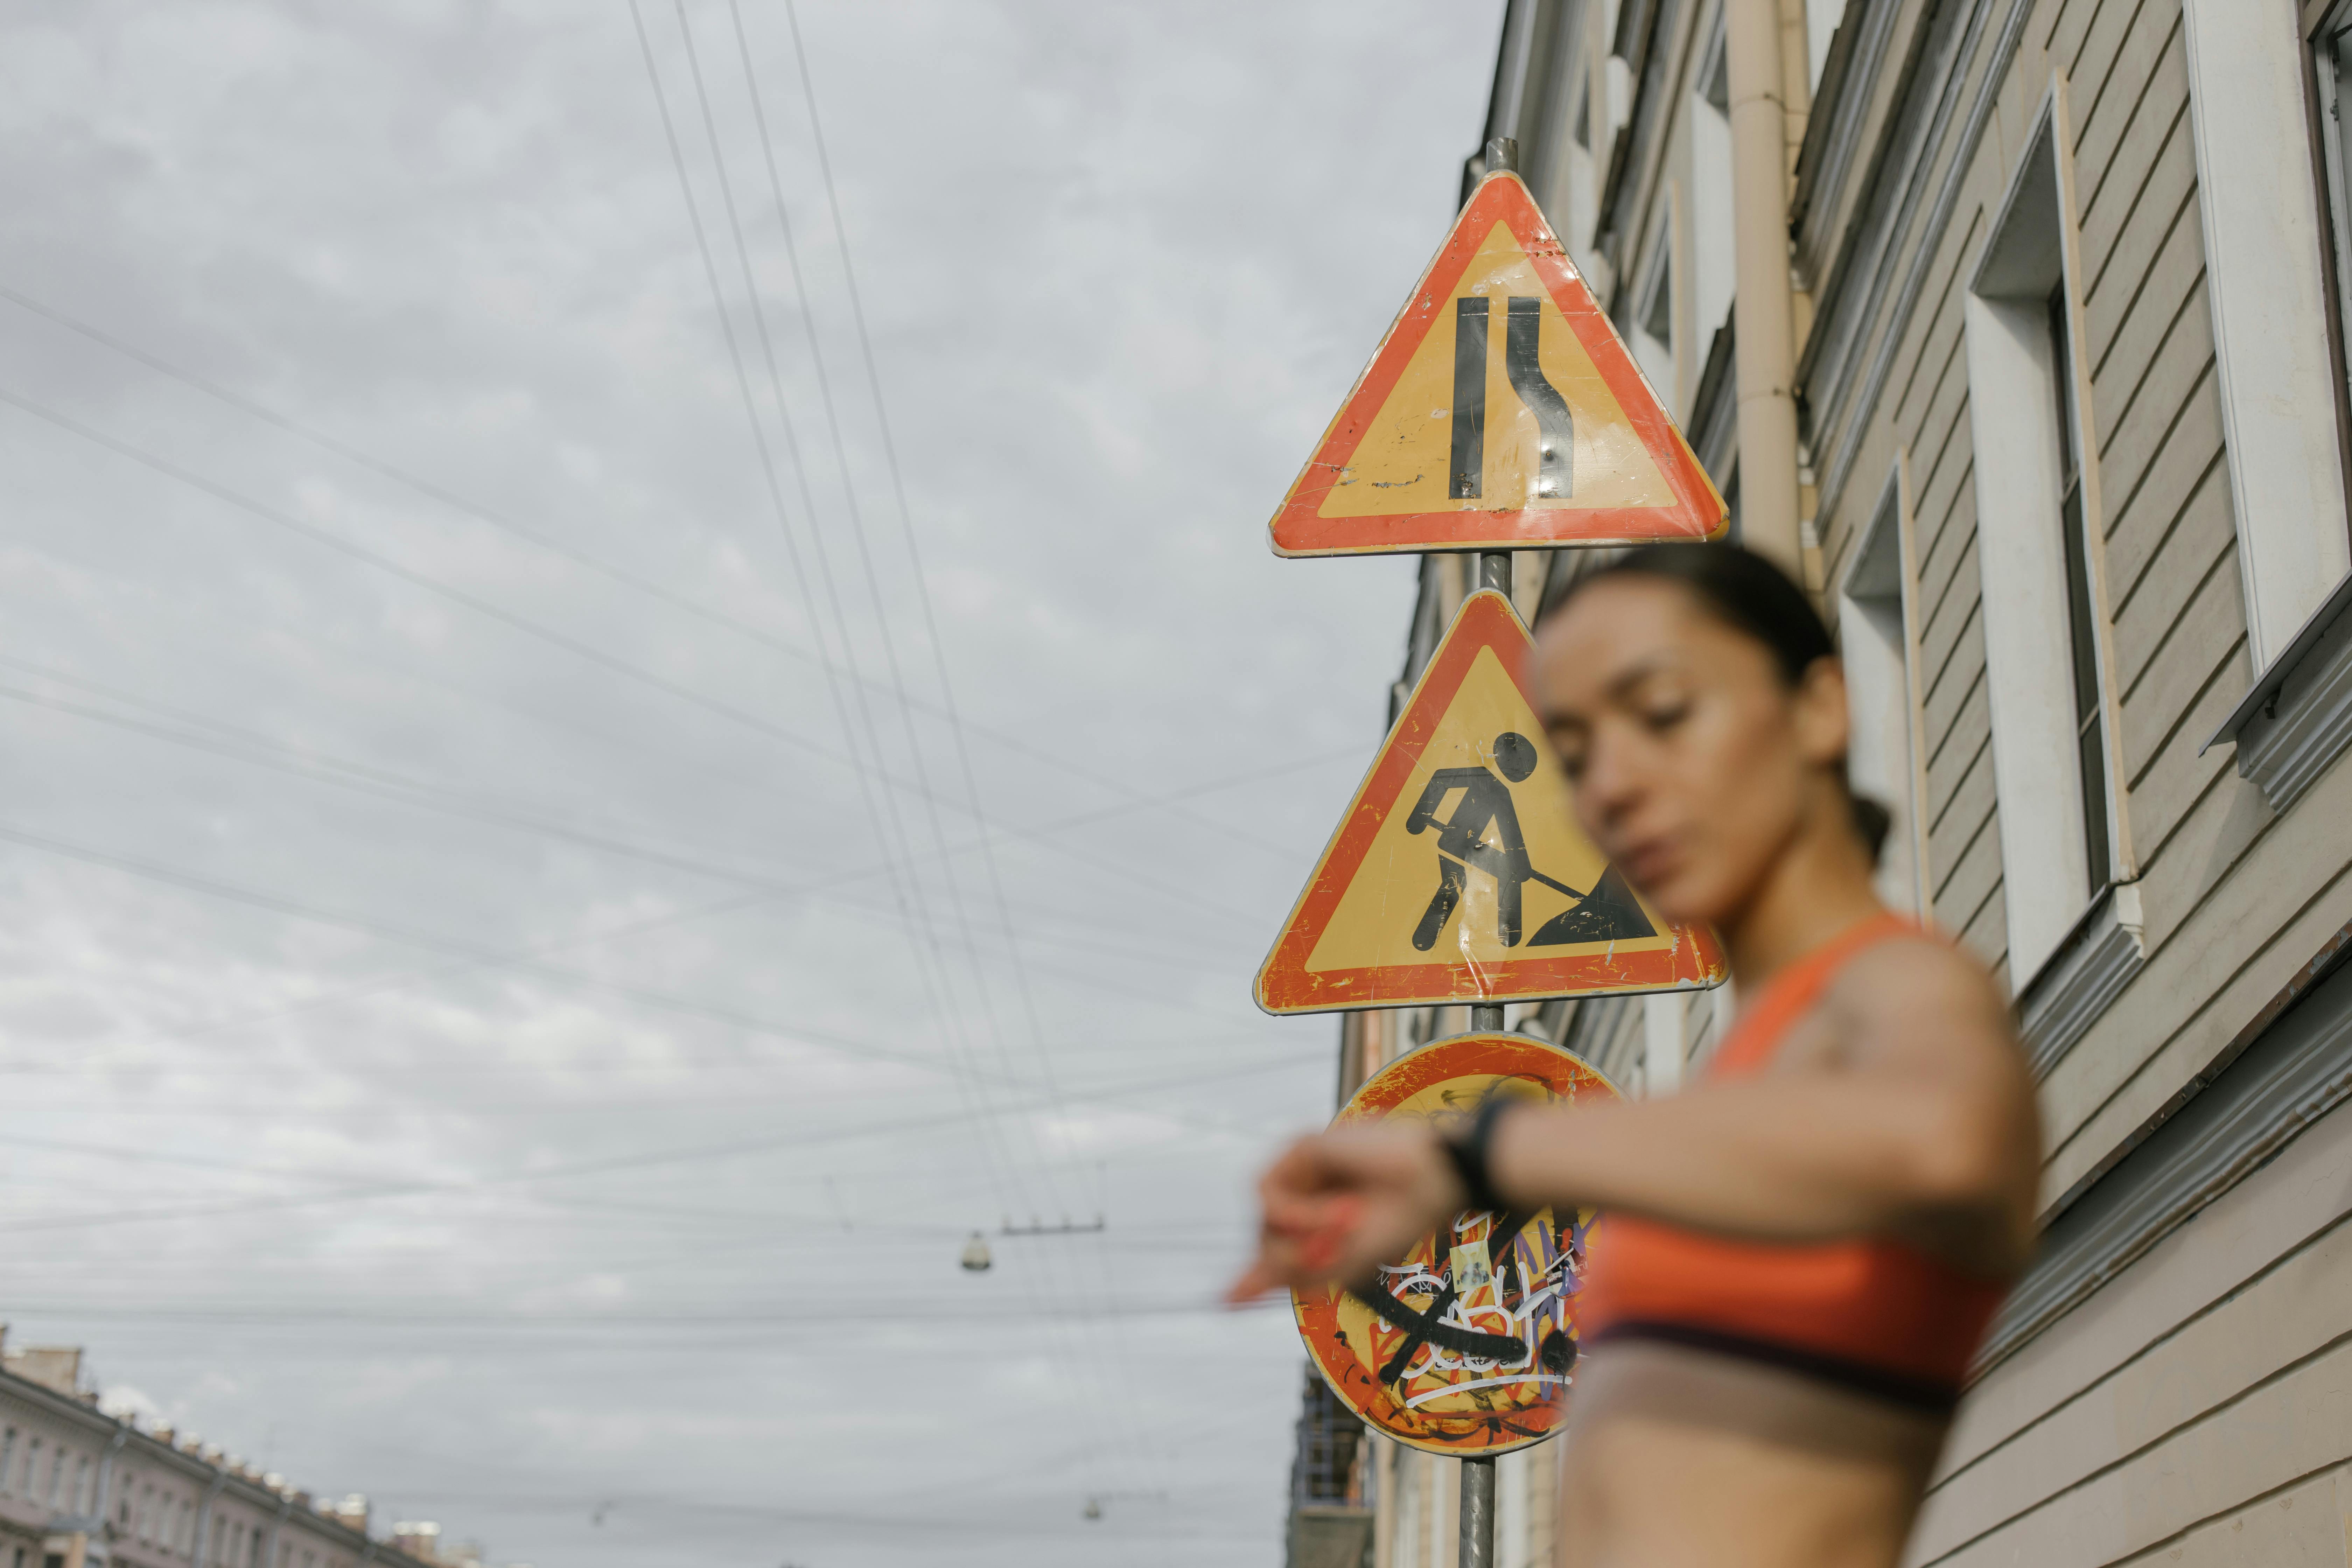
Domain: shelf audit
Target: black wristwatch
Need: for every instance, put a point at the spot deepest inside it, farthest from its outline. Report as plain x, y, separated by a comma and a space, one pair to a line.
1470, 1147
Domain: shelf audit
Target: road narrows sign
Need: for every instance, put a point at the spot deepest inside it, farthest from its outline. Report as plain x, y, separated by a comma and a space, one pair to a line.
1501, 410
1458, 873
1464, 1345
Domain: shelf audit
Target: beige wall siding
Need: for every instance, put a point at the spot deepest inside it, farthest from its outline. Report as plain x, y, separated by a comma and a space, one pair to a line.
2208, 1384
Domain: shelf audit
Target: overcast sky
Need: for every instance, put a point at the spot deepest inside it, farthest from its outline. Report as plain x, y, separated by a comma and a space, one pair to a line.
521, 957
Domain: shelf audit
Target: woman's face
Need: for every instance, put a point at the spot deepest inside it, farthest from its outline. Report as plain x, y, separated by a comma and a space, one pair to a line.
1694, 764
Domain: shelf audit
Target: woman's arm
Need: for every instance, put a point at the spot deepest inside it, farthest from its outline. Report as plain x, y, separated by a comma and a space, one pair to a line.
1918, 1121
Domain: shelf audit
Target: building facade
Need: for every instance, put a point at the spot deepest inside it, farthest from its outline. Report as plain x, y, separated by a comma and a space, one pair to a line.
2025, 346
81, 1488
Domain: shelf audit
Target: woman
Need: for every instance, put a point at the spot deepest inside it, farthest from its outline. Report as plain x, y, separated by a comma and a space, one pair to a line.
1801, 1252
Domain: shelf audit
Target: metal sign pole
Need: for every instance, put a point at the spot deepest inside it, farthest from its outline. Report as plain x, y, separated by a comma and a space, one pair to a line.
1477, 1544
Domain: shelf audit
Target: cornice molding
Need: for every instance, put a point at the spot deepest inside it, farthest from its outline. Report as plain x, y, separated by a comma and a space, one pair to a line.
2089, 971
2298, 1070
2298, 720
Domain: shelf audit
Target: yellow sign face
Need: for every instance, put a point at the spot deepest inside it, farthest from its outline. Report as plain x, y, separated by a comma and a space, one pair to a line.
1459, 873
1407, 460
1501, 409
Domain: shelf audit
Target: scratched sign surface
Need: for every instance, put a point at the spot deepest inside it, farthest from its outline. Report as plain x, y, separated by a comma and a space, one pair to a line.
1501, 409
1458, 873
1466, 1343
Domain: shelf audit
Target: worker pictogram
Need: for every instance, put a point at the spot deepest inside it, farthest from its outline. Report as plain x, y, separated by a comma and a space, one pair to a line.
1458, 873
1501, 409
1464, 1345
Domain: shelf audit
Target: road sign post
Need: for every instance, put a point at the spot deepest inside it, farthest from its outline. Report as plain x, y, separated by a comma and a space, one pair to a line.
1501, 411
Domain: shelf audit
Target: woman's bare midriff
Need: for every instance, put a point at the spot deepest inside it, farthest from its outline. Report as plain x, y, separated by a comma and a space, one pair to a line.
1685, 1458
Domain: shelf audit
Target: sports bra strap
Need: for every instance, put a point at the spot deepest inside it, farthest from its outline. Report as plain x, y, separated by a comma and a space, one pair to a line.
1791, 994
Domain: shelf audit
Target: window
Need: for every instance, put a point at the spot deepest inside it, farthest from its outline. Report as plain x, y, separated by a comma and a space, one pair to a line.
2039, 559
1875, 637
83, 1502
2081, 624
1714, 270
58, 1477
1822, 19
8, 1455
32, 1465
2266, 248
1653, 317
2331, 60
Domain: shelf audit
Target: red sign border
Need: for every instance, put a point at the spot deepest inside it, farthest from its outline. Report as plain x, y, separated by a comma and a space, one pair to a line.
1284, 983
1317, 1320
1299, 530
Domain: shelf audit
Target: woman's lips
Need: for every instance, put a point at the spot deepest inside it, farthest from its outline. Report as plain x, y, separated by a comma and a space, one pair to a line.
1647, 861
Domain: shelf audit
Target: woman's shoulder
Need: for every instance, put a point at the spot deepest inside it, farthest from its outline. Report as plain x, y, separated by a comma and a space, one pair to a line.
1914, 985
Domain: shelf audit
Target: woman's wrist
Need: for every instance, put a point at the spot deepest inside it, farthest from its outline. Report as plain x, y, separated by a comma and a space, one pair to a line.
1469, 1152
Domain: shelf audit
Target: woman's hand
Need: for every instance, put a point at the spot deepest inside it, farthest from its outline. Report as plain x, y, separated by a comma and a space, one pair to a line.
1341, 1202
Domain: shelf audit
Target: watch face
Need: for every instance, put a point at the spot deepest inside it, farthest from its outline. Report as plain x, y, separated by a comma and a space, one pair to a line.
1465, 1345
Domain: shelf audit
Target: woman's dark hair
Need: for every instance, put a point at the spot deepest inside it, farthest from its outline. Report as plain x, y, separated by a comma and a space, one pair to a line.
1751, 595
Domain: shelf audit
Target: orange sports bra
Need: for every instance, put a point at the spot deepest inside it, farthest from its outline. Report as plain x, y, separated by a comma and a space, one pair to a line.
1876, 1314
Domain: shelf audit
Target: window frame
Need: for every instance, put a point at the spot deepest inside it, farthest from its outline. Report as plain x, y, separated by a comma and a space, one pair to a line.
2018, 370
1901, 756
2268, 249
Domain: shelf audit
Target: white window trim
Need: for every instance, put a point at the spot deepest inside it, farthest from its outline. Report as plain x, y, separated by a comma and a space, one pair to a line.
1894, 512
2267, 286
1665, 1041
2029, 653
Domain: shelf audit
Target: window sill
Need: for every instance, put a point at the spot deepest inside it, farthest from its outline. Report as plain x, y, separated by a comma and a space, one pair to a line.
2091, 967
2298, 717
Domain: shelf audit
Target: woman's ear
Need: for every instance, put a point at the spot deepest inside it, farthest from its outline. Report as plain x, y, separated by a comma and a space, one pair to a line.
1822, 721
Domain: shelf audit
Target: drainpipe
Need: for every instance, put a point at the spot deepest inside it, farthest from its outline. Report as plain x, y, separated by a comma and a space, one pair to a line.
1765, 316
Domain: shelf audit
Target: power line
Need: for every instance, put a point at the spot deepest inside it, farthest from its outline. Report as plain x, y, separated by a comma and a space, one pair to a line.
553, 544
883, 817
1048, 841
384, 785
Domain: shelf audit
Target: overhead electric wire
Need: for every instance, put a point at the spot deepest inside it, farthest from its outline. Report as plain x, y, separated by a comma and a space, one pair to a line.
708, 613
914, 547
923, 922
393, 931
876, 816
358, 1186
1047, 840
240, 744
856, 519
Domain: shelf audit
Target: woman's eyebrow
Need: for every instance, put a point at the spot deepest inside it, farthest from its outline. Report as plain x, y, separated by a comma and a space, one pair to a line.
1622, 683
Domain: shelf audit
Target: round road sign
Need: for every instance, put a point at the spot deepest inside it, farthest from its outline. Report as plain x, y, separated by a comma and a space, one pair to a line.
1464, 1345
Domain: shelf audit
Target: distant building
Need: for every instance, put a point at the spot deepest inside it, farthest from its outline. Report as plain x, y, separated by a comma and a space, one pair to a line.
79, 1488
2047, 399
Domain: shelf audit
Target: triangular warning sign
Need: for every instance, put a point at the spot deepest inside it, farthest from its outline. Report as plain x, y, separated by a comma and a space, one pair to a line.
1458, 874
1501, 411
